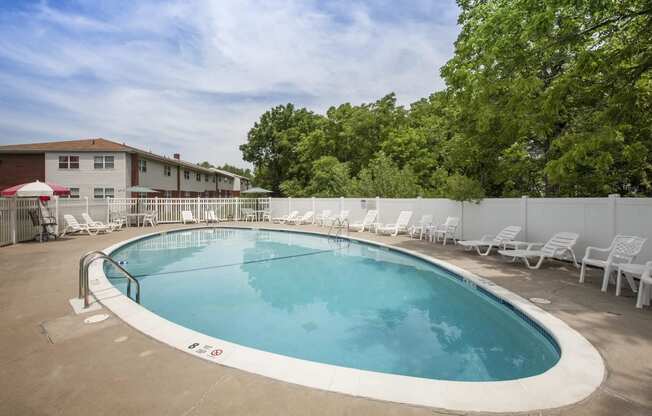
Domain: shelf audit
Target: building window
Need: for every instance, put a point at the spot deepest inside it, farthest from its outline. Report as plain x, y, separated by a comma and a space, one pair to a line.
206, 177
103, 162
186, 174
167, 170
213, 178
142, 165
198, 176
102, 193
68, 162
74, 193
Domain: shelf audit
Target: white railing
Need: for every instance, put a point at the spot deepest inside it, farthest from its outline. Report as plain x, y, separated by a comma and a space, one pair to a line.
16, 224
168, 210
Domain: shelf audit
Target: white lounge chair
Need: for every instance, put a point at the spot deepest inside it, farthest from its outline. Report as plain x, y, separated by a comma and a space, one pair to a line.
446, 230
367, 222
187, 217
506, 235
304, 219
98, 224
209, 216
338, 220
623, 250
321, 218
72, 226
559, 245
421, 228
401, 224
285, 218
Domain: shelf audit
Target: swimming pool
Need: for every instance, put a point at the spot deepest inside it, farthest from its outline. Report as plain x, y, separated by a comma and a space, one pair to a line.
397, 322
338, 302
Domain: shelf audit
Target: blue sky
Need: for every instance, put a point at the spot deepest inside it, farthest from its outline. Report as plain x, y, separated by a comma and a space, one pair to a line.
192, 76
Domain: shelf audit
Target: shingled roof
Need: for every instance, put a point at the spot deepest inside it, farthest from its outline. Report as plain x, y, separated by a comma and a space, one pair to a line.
95, 145
83, 145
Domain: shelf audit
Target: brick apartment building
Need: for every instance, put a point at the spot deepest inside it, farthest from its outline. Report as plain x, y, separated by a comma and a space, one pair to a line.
100, 168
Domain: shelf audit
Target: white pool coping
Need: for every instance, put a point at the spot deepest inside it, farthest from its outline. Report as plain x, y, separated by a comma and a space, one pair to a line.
577, 374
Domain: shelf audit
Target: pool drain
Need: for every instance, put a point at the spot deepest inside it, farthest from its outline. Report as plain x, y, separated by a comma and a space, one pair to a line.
540, 301
96, 318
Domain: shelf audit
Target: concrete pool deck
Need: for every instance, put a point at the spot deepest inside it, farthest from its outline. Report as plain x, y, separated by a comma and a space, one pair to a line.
52, 363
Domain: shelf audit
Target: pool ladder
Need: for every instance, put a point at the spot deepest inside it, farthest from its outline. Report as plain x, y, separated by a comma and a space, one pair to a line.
339, 226
84, 263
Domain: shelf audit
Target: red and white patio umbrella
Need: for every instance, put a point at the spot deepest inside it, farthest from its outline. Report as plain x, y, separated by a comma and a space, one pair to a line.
35, 189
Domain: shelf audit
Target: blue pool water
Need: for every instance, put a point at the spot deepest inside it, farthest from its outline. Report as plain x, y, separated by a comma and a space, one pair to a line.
348, 304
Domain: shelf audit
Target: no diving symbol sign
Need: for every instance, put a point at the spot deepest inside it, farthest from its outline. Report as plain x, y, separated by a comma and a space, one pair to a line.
216, 353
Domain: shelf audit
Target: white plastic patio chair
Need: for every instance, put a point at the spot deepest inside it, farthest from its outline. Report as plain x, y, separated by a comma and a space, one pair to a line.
267, 215
446, 230
366, 223
285, 218
150, 218
248, 214
421, 227
97, 224
321, 218
187, 217
304, 219
506, 235
622, 250
560, 244
401, 225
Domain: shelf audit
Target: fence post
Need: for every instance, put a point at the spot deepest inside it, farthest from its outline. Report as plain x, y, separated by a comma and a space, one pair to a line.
14, 221
108, 210
156, 207
198, 208
269, 207
86, 198
461, 220
56, 214
237, 209
378, 209
524, 217
314, 212
613, 206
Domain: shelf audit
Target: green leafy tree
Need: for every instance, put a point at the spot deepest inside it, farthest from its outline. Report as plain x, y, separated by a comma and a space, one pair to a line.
542, 98
382, 177
272, 145
330, 178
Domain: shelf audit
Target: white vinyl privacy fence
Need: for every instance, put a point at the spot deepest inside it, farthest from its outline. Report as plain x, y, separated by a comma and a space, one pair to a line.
596, 220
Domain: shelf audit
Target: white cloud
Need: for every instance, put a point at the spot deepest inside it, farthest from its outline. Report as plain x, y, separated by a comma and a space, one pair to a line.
194, 76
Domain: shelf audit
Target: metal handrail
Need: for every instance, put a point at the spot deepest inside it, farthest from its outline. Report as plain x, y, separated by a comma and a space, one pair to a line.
84, 264
338, 225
